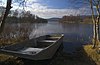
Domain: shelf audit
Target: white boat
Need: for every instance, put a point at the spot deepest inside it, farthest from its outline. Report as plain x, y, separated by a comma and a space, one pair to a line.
40, 48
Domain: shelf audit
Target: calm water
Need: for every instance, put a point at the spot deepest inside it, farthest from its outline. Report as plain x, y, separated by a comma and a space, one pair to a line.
75, 35
80, 32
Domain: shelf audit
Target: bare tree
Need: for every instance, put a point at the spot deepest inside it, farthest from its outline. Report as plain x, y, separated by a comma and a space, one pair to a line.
15, 14
95, 9
8, 7
96, 4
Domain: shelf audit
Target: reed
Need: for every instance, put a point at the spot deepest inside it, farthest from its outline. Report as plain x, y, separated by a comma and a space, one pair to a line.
12, 34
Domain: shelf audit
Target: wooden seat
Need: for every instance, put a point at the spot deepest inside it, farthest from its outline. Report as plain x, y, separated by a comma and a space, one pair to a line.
54, 37
48, 41
31, 50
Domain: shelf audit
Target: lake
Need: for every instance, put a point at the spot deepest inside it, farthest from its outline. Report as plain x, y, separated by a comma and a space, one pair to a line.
75, 35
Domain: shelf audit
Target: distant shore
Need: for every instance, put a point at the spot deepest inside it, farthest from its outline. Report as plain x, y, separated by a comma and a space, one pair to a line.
77, 22
24, 20
76, 19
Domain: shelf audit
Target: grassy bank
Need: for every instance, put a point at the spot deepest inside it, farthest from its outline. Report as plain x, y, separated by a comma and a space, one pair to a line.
92, 54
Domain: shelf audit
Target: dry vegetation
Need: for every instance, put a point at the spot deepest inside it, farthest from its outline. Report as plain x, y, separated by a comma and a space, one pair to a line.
12, 34
15, 33
92, 54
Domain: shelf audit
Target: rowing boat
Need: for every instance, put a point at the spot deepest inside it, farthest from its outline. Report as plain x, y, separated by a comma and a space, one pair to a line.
40, 48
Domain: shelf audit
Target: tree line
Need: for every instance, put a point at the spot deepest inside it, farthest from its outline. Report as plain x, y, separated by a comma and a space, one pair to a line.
71, 19
76, 19
23, 17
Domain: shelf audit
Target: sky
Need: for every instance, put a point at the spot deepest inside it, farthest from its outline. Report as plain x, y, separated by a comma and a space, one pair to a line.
53, 8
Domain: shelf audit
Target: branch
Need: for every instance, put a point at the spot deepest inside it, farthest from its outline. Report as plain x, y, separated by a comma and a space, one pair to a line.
91, 4
8, 7
97, 8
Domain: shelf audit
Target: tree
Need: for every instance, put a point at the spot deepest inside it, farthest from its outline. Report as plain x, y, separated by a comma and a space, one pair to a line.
8, 7
95, 3
27, 14
95, 9
15, 14
23, 14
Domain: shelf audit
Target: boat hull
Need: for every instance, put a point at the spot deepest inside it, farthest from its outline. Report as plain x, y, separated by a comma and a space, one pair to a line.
45, 48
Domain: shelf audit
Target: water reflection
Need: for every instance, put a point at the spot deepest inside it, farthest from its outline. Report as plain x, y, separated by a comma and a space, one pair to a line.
75, 35
76, 32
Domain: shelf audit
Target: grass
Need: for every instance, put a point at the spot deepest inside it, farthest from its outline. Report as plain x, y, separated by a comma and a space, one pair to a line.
92, 54
9, 60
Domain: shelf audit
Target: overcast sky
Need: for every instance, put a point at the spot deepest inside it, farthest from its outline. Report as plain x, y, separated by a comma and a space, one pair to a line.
53, 8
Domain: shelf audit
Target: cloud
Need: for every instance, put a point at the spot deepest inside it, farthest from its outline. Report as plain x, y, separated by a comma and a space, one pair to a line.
47, 13
3, 3
44, 11
29, 1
